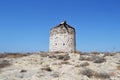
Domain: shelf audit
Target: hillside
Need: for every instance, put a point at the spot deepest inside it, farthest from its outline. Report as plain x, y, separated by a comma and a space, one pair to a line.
60, 66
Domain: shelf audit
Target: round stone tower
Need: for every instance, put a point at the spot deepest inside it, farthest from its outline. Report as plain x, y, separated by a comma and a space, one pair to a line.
62, 38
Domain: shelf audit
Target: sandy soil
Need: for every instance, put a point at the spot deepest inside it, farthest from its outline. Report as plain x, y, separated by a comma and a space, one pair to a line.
62, 66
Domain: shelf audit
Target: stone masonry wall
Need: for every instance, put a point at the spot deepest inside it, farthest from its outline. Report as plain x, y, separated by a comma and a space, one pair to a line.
62, 39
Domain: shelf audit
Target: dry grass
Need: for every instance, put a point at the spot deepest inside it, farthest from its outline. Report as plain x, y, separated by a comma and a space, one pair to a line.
78, 52
12, 55
87, 58
102, 75
46, 69
84, 64
60, 56
90, 73
44, 54
55, 74
94, 58
95, 53
118, 67
109, 54
63, 57
4, 63
99, 60
22, 71
64, 62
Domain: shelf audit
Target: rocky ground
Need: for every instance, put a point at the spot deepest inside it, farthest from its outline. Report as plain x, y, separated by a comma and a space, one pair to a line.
60, 66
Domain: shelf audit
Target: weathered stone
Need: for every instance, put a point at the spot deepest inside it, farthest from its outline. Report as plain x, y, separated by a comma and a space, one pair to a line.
62, 38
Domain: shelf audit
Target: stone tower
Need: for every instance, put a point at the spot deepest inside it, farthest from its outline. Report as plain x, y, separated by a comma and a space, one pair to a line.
62, 38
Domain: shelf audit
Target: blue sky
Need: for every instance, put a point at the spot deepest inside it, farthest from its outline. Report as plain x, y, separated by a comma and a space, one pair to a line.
25, 24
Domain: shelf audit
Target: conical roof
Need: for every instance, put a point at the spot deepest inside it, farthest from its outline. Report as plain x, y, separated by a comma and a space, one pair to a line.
62, 28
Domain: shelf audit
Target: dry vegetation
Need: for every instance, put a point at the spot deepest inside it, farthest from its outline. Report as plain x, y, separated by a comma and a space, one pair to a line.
93, 66
22, 71
60, 56
44, 54
94, 58
90, 73
12, 55
84, 64
118, 67
4, 63
99, 60
46, 68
